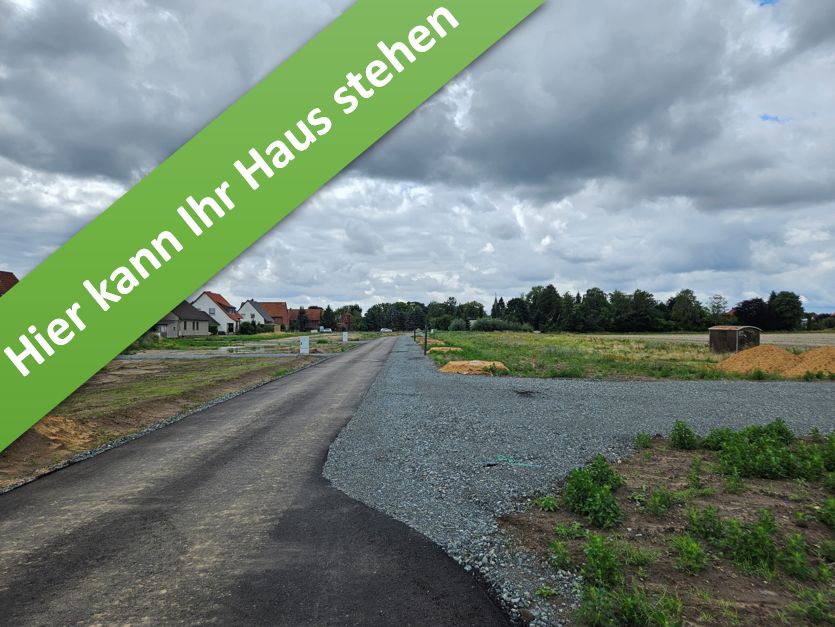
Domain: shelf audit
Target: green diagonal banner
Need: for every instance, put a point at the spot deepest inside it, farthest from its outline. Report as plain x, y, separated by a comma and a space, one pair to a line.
229, 186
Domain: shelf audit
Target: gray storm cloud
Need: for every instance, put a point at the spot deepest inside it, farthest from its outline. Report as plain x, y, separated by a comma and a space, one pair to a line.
647, 144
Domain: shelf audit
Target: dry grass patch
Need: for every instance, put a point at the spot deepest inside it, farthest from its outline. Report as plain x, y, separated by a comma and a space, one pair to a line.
475, 367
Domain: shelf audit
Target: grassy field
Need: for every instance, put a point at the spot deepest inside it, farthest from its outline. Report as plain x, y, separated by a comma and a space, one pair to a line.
734, 529
232, 341
127, 396
577, 356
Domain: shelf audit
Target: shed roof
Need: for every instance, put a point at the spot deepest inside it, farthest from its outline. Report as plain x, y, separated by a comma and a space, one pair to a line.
730, 327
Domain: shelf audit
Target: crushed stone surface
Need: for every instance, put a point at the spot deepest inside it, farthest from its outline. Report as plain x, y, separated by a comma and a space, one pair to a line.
448, 454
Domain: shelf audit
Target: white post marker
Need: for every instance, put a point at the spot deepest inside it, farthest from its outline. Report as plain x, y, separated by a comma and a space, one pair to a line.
344, 337
304, 345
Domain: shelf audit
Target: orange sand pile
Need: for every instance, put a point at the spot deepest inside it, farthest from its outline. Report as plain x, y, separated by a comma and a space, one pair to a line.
445, 349
817, 360
474, 367
430, 341
765, 358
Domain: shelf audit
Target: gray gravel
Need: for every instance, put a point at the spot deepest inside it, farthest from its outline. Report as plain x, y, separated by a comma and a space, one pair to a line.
447, 454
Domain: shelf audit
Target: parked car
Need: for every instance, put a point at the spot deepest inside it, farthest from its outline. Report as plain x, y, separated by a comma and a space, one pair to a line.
386, 330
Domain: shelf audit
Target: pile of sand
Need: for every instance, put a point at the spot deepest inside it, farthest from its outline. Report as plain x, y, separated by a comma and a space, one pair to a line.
773, 360
474, 367
765, 358
430, 341
445, 349
817, 360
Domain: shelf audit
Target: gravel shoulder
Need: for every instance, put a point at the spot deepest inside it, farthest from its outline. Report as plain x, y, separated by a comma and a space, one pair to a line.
447, 454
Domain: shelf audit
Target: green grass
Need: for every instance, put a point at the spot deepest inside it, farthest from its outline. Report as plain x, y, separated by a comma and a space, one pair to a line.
691, 556
567, 355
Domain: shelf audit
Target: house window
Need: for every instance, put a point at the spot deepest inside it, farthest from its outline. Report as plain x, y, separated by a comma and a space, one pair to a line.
211, 311
195, 326
252, 316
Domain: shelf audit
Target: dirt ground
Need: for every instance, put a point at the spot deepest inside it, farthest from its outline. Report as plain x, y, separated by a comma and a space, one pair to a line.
125, 397
722, 594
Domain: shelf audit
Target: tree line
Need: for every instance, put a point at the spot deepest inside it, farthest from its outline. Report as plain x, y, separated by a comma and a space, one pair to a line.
545, 309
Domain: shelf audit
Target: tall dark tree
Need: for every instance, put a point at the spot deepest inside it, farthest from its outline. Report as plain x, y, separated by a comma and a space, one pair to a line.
594, 312
517, 311
329, 319
786, 311
686, 312
753, 312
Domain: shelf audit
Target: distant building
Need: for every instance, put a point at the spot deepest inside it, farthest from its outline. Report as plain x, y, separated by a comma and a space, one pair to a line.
7, 282
278, 311
185, 321
312, 317
253, 312
228, 320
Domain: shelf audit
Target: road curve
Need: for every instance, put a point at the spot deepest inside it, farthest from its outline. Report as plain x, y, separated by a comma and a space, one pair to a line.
225, 518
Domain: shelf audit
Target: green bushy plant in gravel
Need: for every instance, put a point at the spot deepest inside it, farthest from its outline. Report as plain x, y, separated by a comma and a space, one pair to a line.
560, 558
602, 566
691, 556
546, 503
814, 606
588, 492
826, 551
751, 546
682, 437
643, 441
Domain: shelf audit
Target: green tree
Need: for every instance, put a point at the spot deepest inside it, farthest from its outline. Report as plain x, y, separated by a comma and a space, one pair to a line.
594, 313
786, 310
686, 312
329, 318
718, 307
517, 310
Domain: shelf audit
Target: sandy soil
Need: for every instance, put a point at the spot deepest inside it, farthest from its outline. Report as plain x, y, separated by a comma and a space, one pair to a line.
800, 340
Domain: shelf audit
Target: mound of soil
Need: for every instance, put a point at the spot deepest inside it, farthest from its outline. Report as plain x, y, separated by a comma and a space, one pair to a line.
766, 358
474, 367
818, 360
445, 349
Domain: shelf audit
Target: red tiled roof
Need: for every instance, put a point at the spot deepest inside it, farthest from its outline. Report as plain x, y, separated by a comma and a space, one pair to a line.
220, 300
7, 282
312, 315
276, 310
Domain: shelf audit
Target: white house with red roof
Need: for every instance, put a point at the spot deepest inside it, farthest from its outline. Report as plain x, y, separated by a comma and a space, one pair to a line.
221, 311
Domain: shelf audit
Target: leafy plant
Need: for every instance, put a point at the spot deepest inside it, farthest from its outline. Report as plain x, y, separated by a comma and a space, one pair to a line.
682, 437
734, 483
751, 545
602, 567
560, 558
546, 503
545, 592
634, 555
694, 477
829, 481
691, 556
573, 531
660, 500
794, 558
603, 475
815, 606
588, 492
826, 551
600, 607
706, 523
643, 441
826, 514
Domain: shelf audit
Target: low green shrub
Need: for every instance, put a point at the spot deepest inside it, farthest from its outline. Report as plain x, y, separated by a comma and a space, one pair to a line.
458, 325
546, 503
751, 546
682, 437
694, 477
794, 558
600, 607
826, 551
734, 483
643, 441
691, 556
826, 514
602, 567
706, 524
815, 606
829, 481
588, 492
559, 557
573, 531
661, 500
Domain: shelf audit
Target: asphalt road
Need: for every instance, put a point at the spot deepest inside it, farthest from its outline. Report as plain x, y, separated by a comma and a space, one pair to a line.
225, 518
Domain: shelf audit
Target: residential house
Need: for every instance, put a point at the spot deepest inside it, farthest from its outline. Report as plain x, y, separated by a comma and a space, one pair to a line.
312, 317
7, 282
185, 321
252, 311
228, 320
346, 322
278, 311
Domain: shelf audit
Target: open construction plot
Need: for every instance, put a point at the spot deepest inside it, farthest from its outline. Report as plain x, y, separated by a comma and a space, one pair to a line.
451, 455
800, 339
128, 396
571, 356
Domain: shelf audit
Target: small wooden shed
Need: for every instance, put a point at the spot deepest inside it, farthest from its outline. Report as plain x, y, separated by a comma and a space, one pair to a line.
732, 339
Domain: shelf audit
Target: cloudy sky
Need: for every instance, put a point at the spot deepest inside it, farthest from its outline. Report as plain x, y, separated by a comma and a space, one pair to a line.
656, 144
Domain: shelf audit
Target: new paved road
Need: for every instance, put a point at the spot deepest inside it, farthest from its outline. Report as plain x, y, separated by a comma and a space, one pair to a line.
224, 518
